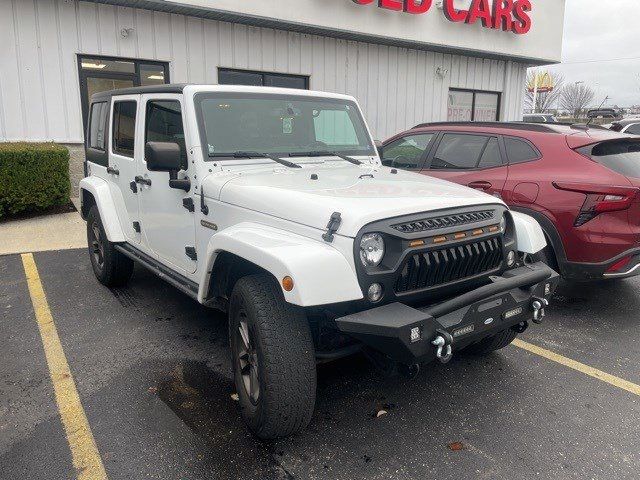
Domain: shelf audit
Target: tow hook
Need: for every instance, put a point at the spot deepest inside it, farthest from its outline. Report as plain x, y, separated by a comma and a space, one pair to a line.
443, 343
538, 305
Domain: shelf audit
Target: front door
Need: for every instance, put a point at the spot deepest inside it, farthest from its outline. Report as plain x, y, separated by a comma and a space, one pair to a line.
168, 228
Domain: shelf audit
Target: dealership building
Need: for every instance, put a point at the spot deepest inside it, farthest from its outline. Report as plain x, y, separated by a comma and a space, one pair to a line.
406, 61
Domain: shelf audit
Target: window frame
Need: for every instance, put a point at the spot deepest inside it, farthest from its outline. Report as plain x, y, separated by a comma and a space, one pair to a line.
425, 155
506, 152
112, 150
631, 125
473, 101
434, 149
83, 74
305, 78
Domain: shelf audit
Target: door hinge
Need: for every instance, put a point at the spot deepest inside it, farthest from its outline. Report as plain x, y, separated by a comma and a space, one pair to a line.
188, 204
332, 227
191, 253
136, 226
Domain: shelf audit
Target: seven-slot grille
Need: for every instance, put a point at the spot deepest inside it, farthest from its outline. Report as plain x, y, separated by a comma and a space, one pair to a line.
448, 264
443, 221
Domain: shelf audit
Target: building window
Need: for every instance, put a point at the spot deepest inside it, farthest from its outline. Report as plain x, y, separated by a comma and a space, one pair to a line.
228, 76
99, 74
473, 106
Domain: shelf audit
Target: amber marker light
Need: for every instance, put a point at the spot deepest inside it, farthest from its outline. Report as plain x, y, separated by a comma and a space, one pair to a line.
439, 239
477, 232
287, 283
495, 228
459, 235
416, 243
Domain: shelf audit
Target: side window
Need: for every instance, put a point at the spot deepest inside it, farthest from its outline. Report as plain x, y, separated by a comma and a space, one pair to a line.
519, 151
634, 129
491, 156
164, 124
459, 152
97, 126
407, 152
124, 127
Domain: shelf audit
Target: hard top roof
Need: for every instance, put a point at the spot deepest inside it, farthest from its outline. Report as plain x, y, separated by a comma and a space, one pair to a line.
196, 88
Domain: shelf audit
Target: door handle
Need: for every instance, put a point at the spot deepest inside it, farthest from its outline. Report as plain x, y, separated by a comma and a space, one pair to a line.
113, 171
480, 185
142, 180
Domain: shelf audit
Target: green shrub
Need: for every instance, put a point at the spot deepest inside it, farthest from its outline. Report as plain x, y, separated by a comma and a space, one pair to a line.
33, 177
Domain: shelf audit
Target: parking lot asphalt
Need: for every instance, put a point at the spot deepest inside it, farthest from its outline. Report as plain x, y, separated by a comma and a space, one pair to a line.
152, 372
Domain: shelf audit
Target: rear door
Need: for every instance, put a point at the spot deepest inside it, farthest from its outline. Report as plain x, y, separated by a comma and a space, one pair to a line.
122, 168
470, 159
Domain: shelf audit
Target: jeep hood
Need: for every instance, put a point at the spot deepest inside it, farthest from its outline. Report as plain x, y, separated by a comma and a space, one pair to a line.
362, 194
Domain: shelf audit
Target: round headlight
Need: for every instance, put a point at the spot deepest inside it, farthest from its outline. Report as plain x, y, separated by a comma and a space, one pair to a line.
371, 249
503, 224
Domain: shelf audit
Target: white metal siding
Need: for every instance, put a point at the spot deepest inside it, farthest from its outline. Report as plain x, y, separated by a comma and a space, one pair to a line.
396, 87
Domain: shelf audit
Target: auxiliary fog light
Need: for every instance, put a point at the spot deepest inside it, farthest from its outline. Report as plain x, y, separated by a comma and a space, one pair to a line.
375, 292
511, 258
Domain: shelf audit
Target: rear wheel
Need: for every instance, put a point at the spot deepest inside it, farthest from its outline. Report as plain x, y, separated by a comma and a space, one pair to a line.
273, 358
493, 343
110, 267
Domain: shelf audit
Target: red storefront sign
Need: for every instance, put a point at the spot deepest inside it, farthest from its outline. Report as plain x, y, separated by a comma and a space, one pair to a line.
508, 15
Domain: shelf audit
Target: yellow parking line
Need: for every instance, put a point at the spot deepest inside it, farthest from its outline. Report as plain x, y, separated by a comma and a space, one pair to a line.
580, 367
84, 452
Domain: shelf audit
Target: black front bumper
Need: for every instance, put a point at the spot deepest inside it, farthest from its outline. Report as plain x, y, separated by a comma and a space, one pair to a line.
405, 333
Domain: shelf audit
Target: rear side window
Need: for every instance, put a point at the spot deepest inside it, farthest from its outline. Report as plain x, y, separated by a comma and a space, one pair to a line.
459, 152
620, 156
519, 151
164, 124
407, 152
124, 127
97, 126
491, 156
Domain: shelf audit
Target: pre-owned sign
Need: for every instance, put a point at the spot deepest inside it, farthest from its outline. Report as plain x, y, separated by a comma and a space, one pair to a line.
508, 15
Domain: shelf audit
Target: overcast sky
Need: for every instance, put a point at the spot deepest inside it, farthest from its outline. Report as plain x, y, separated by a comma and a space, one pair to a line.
599, 30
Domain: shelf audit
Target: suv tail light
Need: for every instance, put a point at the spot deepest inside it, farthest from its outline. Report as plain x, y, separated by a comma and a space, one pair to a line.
599, 199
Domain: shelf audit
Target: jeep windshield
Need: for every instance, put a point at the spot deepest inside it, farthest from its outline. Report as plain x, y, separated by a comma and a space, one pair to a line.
281, 125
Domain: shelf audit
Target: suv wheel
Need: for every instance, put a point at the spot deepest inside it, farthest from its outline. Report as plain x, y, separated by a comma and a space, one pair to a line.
493, 343
273, 358
111, 267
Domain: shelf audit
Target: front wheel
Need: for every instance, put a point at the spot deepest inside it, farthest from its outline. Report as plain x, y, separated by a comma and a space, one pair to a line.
493, 343
273, 358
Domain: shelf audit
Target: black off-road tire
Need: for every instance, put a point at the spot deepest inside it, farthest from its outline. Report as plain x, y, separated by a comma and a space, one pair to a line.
281, 344
114, 269
493, 343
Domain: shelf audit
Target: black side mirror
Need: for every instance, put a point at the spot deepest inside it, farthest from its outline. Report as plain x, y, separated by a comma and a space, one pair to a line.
162, 156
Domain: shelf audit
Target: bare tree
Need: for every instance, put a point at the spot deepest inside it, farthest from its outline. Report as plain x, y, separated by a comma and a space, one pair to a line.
545, 101
575, 97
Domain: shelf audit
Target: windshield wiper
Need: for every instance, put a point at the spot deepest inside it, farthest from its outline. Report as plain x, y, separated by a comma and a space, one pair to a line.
241, 154
355, 161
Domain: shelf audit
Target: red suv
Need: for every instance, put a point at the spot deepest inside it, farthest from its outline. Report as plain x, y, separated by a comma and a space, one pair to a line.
580, 183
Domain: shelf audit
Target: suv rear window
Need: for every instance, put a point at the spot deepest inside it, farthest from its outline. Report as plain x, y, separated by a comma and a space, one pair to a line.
519, 151
622, 157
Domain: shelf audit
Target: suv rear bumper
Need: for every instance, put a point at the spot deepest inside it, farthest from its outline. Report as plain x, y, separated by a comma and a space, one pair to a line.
406, 334
598, 271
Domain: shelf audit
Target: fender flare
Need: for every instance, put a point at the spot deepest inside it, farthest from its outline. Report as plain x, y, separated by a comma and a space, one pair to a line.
529, 234
321, 274
101, 193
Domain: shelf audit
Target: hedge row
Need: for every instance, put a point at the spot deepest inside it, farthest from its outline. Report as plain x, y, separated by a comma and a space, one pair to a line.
33, 177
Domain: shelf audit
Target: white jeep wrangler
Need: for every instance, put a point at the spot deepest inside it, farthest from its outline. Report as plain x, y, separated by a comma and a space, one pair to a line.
273, 206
